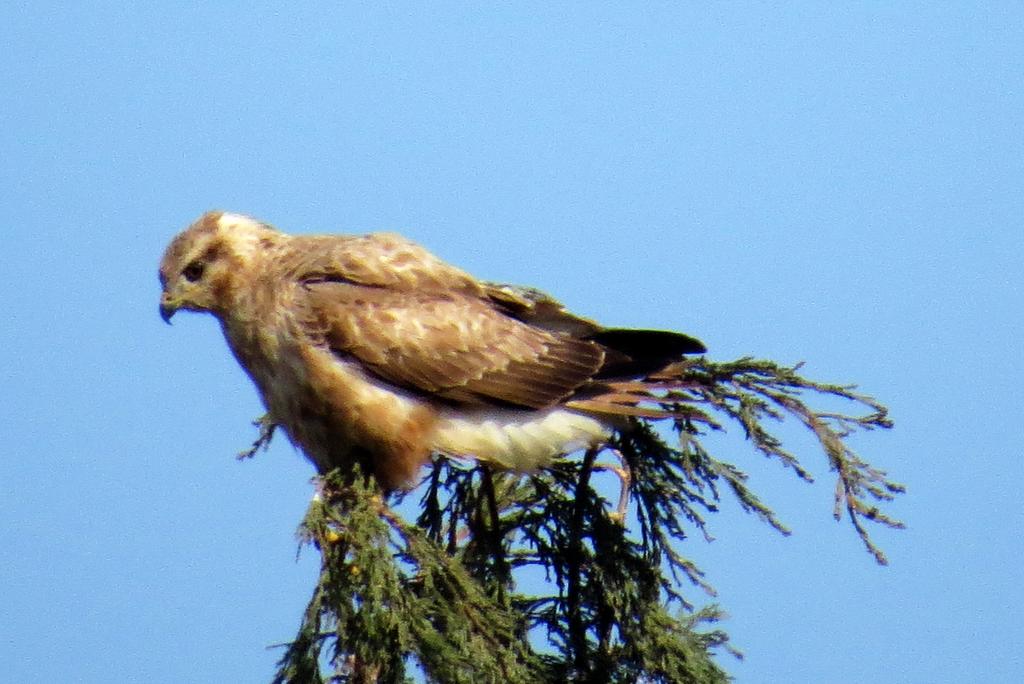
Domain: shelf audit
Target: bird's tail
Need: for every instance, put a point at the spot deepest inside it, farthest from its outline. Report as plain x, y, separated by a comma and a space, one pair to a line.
656, 396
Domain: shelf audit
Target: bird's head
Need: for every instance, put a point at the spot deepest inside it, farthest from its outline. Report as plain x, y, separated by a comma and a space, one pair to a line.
202, 265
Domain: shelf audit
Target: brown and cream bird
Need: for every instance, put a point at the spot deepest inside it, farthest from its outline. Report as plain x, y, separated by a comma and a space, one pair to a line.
370, 350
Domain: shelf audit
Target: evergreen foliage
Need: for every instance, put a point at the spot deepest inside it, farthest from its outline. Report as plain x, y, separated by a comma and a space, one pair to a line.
445, 593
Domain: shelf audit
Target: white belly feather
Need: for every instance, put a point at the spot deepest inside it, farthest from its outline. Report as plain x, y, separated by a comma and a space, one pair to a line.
520, 440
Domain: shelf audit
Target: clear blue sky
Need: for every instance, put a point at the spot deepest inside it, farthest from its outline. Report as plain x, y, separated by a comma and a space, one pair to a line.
841, 186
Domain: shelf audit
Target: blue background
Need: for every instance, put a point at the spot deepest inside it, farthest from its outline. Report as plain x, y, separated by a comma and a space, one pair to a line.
841, 186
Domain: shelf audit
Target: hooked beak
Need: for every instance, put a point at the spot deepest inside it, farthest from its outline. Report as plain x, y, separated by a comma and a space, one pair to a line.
168, 306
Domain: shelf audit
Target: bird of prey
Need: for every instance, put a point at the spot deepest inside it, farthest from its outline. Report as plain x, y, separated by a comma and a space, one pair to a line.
370, 350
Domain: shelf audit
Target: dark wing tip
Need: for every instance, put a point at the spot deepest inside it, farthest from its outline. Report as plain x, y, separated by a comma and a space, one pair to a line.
653, 341
639, 352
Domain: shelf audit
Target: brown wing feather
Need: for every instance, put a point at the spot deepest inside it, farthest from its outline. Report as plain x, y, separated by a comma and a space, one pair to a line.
425, 325
450, 345
539, 309
377, 260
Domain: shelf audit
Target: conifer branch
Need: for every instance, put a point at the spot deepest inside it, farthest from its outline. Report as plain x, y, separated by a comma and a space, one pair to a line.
752, 391
448, 593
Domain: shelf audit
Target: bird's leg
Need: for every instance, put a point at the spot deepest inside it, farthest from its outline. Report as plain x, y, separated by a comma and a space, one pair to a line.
267, 425
625, 481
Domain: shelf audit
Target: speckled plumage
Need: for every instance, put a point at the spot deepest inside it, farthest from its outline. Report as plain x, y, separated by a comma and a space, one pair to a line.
370, 349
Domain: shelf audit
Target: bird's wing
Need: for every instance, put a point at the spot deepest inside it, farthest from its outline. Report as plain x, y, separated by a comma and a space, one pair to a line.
385, 260
448, 344
539, 309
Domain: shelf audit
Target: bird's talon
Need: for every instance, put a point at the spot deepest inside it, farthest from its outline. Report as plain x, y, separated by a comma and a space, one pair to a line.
625, 481
267, 426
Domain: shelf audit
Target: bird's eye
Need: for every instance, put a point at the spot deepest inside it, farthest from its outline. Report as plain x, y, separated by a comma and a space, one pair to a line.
193, 272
